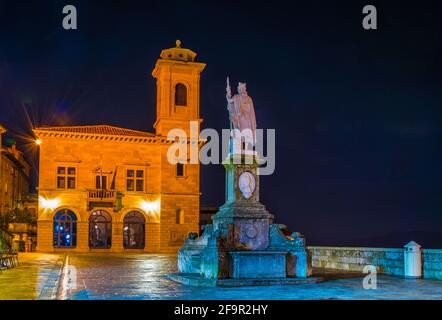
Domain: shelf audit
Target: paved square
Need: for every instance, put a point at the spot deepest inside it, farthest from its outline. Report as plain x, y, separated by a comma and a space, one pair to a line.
142, 276
37, 277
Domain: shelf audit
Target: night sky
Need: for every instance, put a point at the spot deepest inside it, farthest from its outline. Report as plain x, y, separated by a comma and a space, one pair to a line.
358, 114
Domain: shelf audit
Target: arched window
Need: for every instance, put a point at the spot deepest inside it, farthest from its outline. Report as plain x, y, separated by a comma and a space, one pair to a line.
180, 170
65, 229
179, 216
180, 95
133, 230
100, 230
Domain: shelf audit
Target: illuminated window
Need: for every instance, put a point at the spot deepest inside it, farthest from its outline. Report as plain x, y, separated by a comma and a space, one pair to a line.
135, 180
65, 229
66, 177
179, 216
180, 95
180, 170
133, 230
100, 230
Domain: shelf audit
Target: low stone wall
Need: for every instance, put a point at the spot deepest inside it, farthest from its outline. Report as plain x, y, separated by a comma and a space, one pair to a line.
432, 263
387, 260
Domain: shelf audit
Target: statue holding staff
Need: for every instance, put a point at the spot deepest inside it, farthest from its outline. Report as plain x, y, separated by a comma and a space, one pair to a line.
241, 110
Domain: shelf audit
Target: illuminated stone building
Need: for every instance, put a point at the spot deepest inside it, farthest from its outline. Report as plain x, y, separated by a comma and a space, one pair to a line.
15, 199
105, 188
14, 177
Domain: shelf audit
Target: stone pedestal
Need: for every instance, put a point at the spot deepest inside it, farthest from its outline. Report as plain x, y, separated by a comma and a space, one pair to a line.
242, 211
257, 264
243, 246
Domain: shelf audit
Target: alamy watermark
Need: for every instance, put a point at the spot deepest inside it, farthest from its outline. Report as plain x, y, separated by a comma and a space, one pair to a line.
215, 149
370, 21
70, 20
370, 281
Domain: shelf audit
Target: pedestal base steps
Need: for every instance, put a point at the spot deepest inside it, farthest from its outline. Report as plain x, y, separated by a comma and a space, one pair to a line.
194, 279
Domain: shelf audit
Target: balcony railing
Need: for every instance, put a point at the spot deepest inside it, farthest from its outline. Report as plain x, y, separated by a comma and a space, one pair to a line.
101, 194
22, 228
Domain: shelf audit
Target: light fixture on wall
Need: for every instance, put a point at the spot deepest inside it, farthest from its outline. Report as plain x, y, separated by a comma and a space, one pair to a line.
49, 203
150, 206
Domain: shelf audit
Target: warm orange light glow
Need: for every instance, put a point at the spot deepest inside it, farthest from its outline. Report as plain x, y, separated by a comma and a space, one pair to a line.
49, 203
38, 142
150, 206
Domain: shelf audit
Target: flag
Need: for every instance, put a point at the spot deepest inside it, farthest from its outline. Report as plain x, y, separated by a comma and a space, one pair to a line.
101, 172
101, 176
112, 187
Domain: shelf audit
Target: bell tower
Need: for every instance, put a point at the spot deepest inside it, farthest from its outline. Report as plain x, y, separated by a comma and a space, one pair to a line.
178, 89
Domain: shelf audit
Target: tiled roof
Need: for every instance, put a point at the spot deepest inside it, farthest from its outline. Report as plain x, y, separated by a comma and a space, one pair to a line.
97, 129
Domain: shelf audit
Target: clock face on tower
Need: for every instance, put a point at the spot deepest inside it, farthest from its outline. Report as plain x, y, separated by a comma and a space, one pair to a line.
246, 184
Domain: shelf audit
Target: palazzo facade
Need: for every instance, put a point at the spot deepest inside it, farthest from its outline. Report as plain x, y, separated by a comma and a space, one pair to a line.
109, 189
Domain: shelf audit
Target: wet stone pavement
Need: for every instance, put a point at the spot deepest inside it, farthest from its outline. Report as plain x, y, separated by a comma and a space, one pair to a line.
36, 277
142, 276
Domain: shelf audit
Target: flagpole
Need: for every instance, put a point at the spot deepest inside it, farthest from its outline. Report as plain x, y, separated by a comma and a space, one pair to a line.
101, 176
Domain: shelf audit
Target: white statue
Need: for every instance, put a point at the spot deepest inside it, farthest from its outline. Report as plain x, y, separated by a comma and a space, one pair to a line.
241, 111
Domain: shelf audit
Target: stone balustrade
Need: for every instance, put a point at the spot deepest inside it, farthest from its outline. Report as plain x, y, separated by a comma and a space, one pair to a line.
388, 261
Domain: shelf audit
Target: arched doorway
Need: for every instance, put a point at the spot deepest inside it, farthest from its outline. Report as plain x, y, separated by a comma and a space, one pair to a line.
133, 230
100, 230
65, 229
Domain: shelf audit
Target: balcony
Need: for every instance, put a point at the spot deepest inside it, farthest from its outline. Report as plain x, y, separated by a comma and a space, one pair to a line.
98, 198
101, 195
22, 228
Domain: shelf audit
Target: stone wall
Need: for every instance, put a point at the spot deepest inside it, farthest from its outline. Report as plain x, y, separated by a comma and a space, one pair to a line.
387, 260
432, 263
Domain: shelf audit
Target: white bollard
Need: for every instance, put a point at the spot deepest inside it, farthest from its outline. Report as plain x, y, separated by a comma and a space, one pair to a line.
413, 260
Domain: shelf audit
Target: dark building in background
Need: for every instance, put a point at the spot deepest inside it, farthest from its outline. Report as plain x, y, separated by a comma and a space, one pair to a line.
18, 207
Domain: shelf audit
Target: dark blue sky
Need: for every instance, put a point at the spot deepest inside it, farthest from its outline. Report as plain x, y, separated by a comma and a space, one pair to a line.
357, 113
